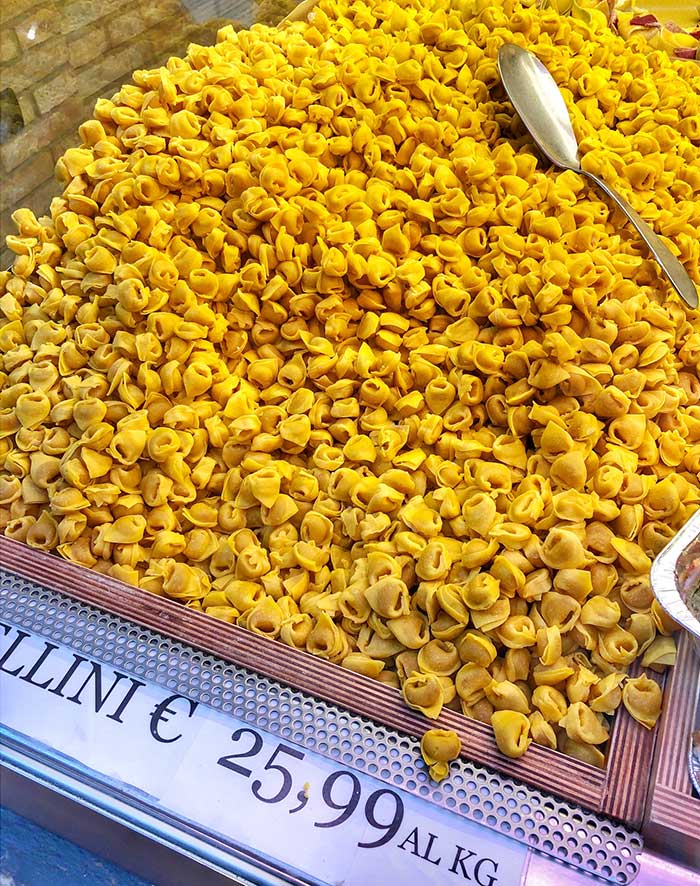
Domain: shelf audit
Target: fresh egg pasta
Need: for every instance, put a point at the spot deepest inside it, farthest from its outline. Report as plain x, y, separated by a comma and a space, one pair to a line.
314, 342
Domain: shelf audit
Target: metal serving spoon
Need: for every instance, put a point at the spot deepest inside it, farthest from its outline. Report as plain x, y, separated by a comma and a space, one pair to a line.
540, 105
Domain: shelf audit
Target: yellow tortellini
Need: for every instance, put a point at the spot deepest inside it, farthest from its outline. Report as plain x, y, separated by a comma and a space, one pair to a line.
550, 702
438, 657
505, 695
642, 698
511, 730
471, 681
541, 731
313, 344
606, 694
424, 693
438, 748
582, 725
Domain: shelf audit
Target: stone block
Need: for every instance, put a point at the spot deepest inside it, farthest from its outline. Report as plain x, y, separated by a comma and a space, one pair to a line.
33, 64
9, 46
86, 45
25, 179
37, 25
126, 26
40, 198
11, 9
28, 107
55, 90
40, 133
78, 13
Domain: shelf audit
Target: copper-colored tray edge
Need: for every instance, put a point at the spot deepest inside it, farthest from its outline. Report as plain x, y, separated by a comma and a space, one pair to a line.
626, 786
672, 817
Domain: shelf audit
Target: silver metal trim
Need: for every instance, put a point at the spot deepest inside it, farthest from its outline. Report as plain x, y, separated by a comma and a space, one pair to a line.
664, 577
667, 583
694, 750
567, 833
694, 768
65, 777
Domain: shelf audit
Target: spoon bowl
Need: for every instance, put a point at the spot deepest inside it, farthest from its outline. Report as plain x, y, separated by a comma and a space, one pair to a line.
540, 105
538, 101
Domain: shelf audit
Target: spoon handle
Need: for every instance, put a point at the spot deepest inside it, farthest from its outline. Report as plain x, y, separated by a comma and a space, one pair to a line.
670, 265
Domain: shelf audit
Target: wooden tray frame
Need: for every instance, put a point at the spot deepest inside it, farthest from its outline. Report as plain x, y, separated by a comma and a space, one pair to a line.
618, 791
672, 818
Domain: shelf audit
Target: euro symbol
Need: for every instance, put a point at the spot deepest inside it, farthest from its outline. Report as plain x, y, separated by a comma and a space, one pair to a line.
160, 711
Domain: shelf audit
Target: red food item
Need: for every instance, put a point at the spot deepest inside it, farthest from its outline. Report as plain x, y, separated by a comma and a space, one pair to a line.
689, 53
646, 21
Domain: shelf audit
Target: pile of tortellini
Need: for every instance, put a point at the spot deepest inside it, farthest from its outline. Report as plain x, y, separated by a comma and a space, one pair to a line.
316, 343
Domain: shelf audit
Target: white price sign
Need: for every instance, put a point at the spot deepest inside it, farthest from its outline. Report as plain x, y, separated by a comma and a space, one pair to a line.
337, 825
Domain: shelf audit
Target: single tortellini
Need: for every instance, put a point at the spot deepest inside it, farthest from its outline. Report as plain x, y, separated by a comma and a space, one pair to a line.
505, 695
439, 657
390, 678
563, 549
664, 623
125, 530
423, 692
410, 630
642, 698
295, 630
326, 639
32, 408
617, 646
552, 675
452, 603
476, 647
560, 611
43, 533
582, 725
481, 592
184, 582
549, 644
511, 730
486, 620
541, 731
577, 583
471, 681
517, 665
588, 753
388, 597
517, 632
223, 613
578, 686
363, 664
643, 628
606, 694
600, 612
552, 704
265, 618
631, 556
406, 663
660, 653
438, 748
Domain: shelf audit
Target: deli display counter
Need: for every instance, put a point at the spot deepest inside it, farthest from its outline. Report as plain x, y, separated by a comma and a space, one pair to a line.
349, 452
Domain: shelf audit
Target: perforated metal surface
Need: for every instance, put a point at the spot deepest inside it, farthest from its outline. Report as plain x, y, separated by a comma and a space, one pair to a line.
569, 834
